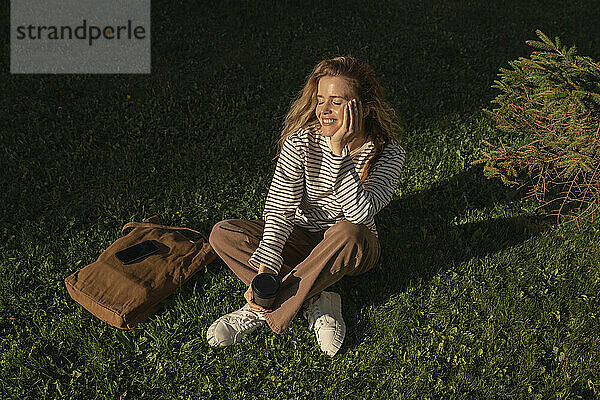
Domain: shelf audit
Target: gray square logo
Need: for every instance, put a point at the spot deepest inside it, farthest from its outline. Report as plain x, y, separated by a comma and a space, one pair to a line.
79, 36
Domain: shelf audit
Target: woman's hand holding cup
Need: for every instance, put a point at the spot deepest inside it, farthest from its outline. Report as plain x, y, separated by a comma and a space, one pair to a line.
249, 294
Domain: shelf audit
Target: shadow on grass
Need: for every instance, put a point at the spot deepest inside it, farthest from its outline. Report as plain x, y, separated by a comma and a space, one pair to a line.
421, 236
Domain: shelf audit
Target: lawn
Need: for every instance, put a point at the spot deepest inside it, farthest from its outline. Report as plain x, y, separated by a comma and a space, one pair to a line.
476, 294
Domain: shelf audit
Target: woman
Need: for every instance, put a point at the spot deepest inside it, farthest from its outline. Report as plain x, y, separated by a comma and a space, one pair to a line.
339, 163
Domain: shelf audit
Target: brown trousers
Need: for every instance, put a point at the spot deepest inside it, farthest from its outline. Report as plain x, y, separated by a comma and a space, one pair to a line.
312, 261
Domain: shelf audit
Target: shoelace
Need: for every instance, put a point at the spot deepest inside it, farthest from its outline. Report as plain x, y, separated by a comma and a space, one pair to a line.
313, 314
244, 319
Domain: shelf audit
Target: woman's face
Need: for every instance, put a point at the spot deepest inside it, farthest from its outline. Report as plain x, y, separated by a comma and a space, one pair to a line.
333, 93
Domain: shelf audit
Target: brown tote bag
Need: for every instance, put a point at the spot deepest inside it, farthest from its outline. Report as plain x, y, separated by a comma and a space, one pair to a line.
125, 295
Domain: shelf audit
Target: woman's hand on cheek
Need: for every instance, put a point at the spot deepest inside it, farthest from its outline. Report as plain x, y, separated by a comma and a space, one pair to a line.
351, 125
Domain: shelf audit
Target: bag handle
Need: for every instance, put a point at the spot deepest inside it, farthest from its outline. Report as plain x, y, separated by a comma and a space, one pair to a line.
151, 225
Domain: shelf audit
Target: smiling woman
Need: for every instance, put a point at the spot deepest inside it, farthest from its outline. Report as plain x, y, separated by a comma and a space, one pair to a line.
318, 221
333, 95
329, 92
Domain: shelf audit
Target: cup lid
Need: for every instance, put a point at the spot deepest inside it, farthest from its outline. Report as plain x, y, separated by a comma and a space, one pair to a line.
265, 285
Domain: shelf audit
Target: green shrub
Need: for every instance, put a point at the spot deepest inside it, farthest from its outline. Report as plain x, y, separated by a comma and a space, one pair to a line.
550, 107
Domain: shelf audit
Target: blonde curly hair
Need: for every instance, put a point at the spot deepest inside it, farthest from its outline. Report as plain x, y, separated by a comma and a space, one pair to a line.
381, 123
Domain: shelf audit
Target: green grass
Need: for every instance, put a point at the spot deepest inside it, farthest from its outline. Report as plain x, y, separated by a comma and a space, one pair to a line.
476, 295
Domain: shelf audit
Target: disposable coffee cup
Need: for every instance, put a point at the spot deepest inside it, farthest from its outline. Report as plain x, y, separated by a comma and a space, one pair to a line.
265, 287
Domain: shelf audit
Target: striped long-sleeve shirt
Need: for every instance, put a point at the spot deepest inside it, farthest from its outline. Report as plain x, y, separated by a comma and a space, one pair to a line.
314, 188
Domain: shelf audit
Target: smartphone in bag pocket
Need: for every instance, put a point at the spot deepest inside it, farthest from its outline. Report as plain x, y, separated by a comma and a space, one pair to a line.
137, 252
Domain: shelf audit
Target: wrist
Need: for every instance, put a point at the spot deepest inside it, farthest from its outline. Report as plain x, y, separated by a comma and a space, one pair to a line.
262, 269
337, 150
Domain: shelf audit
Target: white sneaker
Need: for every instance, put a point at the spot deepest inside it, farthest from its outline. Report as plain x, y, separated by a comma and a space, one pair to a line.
231, 328
324, 315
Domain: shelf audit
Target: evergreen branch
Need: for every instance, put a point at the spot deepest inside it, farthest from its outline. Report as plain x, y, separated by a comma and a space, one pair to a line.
545, 38
552, 97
